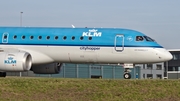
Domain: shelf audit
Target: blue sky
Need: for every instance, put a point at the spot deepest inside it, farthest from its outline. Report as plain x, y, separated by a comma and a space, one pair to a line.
159, 19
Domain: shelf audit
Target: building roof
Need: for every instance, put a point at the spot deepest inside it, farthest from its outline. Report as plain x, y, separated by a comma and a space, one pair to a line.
173, 49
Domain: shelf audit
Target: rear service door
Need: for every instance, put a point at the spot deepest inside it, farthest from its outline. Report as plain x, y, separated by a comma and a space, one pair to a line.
119, 43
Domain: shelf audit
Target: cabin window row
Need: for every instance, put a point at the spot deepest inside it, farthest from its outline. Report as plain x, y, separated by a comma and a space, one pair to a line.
55, 37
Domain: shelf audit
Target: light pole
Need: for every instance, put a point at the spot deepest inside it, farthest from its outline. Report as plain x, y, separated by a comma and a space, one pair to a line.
21, 18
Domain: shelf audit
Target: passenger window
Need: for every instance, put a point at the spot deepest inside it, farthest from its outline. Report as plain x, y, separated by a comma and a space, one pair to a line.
90, 38
139, 38
73, 37
64, 37
40, 37
5, 36
23, 37
31, 37
56, 37
48, 37
81, 38
15, 36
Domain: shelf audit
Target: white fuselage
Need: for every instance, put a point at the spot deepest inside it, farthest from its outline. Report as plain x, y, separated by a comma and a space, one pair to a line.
76, 54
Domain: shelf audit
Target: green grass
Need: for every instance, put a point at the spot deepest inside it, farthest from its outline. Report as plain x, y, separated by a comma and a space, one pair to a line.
48, 89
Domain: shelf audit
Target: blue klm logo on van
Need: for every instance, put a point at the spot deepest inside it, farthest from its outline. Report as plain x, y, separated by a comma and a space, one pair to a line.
10, 60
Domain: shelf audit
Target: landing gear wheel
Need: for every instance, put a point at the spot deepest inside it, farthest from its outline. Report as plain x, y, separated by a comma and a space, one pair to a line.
2, 74
127, 76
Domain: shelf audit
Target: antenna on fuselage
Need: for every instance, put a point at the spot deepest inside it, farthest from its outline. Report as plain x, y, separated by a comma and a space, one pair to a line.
73, 26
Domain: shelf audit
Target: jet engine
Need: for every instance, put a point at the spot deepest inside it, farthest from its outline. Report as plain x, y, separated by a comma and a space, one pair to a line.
52, 68
15, 61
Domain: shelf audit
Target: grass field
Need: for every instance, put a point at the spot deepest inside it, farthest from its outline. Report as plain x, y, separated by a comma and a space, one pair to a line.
61, 89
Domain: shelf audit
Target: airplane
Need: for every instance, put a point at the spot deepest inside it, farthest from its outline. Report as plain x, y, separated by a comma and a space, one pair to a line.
44, 49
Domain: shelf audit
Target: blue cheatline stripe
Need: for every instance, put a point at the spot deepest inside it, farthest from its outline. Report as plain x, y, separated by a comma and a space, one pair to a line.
81, 45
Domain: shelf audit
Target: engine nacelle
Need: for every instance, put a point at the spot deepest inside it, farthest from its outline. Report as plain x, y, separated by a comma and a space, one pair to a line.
15, 61
52, 68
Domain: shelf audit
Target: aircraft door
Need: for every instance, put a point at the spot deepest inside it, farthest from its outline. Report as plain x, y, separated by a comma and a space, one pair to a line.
5, 37
119, 43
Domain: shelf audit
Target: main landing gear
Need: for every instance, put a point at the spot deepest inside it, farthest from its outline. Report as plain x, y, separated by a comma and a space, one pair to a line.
2, 74
127, 74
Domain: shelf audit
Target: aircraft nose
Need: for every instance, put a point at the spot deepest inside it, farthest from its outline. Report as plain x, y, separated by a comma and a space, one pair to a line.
164, 54
168, 56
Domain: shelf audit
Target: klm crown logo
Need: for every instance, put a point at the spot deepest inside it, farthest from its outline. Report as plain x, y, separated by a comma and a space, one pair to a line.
10, 58
93, 30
